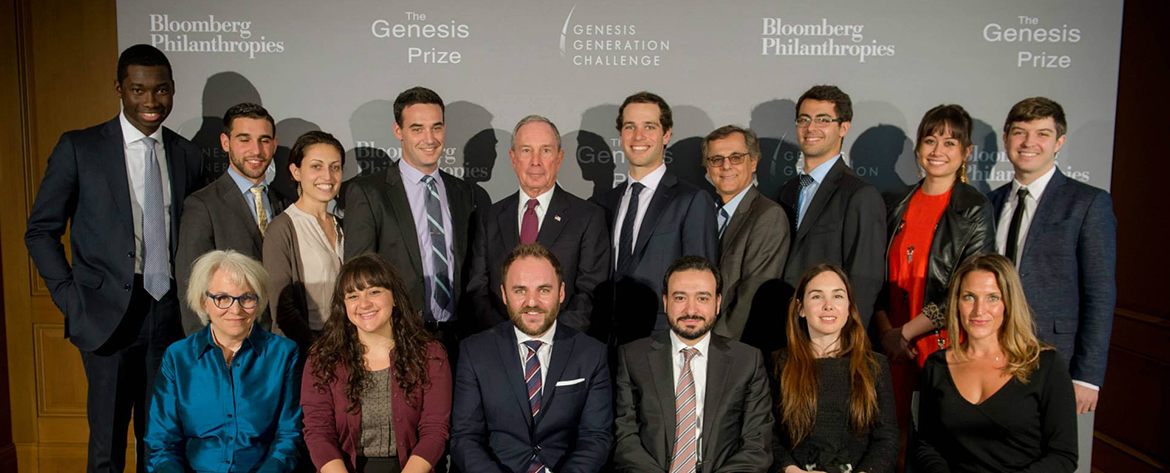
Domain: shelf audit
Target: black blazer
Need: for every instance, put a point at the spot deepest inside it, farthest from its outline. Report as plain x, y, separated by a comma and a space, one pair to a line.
680, 221
85, 186
378, 219
737, 407
1067, 268
217, 217
492, 428
575, 232
845, 224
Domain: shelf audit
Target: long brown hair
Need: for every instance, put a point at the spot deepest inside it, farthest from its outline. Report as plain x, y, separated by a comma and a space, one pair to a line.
797, 375
1017, 334
339, 341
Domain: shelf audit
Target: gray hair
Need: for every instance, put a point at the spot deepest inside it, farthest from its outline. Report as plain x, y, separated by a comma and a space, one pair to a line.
749, 139
535, 119
241, 270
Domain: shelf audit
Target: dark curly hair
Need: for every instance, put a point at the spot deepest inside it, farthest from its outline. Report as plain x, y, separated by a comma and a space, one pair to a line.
339, 341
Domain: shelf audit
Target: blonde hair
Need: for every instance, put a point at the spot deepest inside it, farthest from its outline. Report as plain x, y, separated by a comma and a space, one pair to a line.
240, 269
1017, 334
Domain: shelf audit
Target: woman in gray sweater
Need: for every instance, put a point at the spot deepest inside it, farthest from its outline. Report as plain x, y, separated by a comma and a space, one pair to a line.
304, 245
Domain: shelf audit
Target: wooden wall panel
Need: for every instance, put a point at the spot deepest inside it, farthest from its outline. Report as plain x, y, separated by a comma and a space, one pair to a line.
61, 384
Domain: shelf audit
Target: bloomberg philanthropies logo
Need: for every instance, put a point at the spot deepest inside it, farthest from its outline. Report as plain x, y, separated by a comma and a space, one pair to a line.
823, 38
206, 35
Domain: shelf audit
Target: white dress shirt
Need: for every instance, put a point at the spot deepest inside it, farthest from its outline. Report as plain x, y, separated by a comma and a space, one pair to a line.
134, 149
651, 182
1035, 191
698, 371
542, 201
544, 354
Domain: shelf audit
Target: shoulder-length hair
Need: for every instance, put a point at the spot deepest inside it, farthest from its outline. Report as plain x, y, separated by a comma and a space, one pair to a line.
1017, 334
797, 374
339, 341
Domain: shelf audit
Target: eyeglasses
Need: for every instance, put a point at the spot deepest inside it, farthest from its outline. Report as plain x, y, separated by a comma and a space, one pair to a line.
820, 122
735, 158
224, 302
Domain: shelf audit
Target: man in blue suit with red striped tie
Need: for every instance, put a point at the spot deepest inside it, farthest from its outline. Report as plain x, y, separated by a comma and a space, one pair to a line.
531, 395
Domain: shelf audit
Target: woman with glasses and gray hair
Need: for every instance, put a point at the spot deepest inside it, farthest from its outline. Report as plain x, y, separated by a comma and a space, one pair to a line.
226, 397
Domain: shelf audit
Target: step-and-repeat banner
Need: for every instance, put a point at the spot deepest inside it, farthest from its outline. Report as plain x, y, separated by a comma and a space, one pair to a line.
337, 67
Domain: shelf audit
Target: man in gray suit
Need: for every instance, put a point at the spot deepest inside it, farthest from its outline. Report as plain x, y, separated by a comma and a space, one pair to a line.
689, 400
232, 212
1063, 239
753, 238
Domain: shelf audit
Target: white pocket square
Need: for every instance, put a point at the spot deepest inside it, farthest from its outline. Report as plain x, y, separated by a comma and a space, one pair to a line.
570, 382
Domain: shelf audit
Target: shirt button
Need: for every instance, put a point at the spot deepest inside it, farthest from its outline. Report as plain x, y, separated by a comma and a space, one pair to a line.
229, 416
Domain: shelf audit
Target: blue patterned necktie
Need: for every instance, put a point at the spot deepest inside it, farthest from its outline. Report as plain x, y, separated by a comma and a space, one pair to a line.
805, 181
156, 276
532, 380
626, 239
442, 288
723, 220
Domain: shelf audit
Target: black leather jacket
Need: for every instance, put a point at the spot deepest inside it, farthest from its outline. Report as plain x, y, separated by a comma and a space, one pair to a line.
965, 228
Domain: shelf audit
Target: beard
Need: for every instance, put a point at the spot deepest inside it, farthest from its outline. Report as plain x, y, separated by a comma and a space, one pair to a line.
687, 334
517, 317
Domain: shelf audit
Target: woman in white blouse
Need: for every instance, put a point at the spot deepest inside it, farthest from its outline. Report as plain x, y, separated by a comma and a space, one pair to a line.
303, 246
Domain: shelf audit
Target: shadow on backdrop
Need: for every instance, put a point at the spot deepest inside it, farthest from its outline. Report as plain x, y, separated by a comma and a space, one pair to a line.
876, 155
221, 92
596, 157
374, 145
685, 157
288, 130
470, 134
774, 123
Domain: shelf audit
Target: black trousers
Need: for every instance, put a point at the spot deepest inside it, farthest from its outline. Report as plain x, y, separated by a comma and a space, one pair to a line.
121, 377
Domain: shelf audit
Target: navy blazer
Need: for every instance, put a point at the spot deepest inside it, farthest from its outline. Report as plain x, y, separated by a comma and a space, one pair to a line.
574, 230
680, 221
85, 187
1067, 268
492, 428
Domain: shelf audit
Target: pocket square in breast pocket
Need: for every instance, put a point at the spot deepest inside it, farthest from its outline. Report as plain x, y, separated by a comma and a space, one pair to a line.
570, 382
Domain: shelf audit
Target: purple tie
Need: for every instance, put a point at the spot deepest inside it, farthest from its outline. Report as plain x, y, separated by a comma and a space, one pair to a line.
529, 227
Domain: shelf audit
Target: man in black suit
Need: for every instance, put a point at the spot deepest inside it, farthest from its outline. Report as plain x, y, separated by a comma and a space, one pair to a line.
233, 211
416, 215
655, 218
531, 395
573, 229
119, 187
838, 217
689, 400
1063, 239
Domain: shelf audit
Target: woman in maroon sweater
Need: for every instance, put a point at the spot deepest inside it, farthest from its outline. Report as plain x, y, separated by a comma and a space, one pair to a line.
376, 390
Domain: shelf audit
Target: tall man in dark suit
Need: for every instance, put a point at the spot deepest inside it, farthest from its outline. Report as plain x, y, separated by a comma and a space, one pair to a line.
753, 236
838, 217
531, 395
655, 218
573, 229
416, 215
1063, 239
119, 187
688, 400
233, 211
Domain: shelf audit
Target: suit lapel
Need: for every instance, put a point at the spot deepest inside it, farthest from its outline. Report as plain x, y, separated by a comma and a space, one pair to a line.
717, 367
509, 350
562, 351
236, 203
739, 220
1050, 200
177, 168
658, 204
115, 169
403, 216
661, 362
611, 201
998, 199
554, 218
508, 222
820, 199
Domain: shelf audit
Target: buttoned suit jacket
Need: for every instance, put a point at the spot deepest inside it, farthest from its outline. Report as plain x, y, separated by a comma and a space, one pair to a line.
492, 427
845, 224
680, 221
218, 217
378, 219
574, 230
86, 187
737, 417
753, 250
1068, 269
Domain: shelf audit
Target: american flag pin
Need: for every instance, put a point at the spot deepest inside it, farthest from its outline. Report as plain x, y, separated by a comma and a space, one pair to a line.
557, 218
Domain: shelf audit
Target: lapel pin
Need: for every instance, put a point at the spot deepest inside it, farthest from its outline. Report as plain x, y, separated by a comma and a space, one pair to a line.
557, 218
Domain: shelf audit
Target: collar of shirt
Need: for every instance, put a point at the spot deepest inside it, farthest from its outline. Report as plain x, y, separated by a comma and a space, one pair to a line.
413, 175
131, 135
733, 204
244, 183
546, 340
1036, 188
542, 201
818, 174
676, 345
207, 340
650, 180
